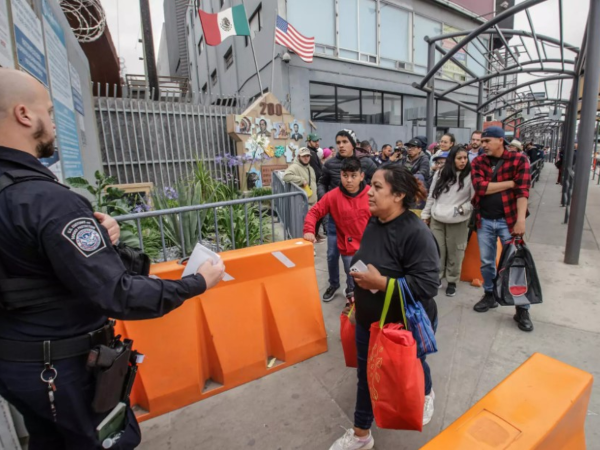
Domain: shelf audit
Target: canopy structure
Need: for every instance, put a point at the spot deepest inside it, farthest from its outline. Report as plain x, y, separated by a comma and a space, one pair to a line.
522, 86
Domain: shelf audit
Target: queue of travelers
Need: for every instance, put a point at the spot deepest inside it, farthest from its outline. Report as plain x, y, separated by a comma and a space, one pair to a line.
374, 202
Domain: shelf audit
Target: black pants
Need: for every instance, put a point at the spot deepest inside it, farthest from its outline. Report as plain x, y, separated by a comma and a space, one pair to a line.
75, 428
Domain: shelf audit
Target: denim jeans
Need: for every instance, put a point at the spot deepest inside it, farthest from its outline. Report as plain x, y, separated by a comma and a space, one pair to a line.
487, 237
333, 259
363, 413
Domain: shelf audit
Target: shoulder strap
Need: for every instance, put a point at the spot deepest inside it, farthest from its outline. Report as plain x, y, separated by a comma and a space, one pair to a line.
11, 177
496, 169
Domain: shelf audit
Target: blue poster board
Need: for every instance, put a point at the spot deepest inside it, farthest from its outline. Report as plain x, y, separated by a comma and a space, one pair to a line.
29, 40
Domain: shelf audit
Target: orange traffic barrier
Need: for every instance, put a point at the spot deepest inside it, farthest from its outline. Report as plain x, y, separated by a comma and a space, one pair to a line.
267, 318
471, 266
542, 405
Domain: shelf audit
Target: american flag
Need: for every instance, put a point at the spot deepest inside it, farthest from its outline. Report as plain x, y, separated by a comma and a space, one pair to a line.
286, 35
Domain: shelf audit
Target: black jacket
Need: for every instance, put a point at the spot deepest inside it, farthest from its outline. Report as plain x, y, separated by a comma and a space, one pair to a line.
331, 176
49, 232
420, 166
315, 163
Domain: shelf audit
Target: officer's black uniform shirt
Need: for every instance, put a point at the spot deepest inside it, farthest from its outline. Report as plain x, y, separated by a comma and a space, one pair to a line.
48, 231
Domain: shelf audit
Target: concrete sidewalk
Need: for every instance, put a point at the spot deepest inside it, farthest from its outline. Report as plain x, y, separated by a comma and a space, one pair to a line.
306, 406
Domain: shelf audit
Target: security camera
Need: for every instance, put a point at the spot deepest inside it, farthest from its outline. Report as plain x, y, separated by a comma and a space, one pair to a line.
286, 58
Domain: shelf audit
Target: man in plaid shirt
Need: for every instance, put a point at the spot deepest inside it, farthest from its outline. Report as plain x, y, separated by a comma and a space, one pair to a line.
501, 201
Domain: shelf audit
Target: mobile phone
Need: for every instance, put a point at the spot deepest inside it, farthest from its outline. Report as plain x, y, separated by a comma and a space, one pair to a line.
360, 267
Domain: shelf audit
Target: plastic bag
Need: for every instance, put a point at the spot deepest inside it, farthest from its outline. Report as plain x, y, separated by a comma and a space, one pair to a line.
517, 282
395, 374
417, 321
348, 336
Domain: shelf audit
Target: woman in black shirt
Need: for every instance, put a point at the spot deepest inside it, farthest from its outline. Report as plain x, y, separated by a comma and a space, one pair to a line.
396, 244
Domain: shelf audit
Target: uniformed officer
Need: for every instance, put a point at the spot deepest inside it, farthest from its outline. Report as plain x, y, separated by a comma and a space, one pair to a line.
49, 234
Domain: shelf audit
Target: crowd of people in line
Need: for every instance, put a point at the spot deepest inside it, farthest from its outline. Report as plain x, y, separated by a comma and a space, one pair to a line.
407, 212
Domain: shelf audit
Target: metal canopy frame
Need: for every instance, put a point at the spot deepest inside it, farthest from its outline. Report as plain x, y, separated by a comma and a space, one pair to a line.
498, 89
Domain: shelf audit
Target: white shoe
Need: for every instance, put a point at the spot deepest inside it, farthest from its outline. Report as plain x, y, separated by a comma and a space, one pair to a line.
350, 442
428, 409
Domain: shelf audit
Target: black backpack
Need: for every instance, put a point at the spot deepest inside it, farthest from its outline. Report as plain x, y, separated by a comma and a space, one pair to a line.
517, 282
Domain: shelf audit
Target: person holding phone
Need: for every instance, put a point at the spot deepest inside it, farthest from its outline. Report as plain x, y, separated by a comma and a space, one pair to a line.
395, 244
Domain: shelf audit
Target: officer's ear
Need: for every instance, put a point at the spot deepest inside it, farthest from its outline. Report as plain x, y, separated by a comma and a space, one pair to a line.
23, 116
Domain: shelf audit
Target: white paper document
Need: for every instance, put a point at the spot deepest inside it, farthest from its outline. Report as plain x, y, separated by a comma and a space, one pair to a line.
199, 256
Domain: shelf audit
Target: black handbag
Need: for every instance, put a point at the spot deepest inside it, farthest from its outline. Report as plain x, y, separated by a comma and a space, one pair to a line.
517, 282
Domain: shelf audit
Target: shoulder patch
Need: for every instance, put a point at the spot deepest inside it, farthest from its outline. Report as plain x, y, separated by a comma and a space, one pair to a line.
85, 235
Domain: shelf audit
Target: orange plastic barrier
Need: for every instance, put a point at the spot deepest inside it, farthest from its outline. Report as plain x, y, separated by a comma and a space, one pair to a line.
542, 405
267, 318
471, 266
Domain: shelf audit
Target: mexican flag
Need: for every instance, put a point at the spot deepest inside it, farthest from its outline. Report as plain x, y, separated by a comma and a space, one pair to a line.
229, 22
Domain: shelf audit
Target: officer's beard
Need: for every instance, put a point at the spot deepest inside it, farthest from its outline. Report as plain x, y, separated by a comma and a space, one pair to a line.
44, 149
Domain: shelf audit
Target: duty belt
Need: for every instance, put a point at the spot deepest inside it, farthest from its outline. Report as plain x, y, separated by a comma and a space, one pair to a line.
21, 351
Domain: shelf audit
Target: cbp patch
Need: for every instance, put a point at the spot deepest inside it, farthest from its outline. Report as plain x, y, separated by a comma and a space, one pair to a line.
85, 235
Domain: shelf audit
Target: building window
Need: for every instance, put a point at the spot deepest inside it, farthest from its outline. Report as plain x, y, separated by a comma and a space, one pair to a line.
392, 109
331, 103
213, 77
201, 46
372, 107
446, 114
255, 24
395, 37
414, 110
423, 27
468, 119
322, 25
348, 105
228, 57
205, 88
348, 17
322, 102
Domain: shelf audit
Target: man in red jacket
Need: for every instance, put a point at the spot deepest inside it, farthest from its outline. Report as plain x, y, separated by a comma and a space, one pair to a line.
348, 205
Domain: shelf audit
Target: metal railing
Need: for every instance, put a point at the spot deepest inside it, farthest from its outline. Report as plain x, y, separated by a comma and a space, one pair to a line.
292, 212
213, 224
161, 141
535, 170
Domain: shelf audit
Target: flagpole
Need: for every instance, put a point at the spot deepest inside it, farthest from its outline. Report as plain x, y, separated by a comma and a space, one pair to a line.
274, 46
254, 55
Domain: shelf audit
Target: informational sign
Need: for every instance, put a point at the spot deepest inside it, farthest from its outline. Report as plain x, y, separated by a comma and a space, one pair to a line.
62, 94
450, 69
76, 90
29, 40
6, 47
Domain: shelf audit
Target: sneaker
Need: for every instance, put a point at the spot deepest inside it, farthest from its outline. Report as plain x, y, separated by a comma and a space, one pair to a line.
486, 302
441, 285
350, 441
349, 293
451, 290
523, 320
428, 409
329, 293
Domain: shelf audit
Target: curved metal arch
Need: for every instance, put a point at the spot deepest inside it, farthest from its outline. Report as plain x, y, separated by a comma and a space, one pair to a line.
472, 35
549, 103
538, 121
522, 85
521, 100
507, 32
513, 71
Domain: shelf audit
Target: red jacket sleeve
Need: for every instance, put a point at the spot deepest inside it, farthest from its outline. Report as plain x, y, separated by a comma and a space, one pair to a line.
478, 178
316, 213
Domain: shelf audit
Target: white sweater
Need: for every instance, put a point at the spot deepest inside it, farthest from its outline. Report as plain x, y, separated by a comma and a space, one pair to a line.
445, 208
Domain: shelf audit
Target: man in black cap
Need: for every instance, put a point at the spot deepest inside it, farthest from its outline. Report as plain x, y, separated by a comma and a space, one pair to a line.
501, 180
330, 179
417, 161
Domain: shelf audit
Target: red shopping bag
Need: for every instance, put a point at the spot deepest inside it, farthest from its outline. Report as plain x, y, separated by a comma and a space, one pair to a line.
395, 375
348, 336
